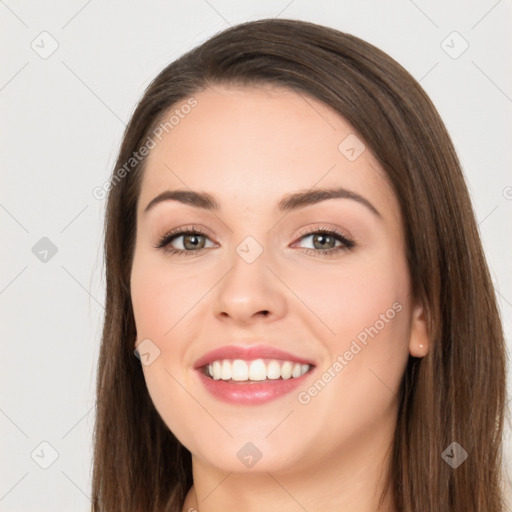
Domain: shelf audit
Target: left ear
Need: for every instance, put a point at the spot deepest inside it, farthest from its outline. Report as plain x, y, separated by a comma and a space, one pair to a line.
419, 342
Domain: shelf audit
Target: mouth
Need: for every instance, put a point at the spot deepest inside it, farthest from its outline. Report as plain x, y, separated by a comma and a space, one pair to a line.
251, 375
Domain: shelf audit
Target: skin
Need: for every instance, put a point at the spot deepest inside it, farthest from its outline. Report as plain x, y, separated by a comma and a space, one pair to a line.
249, 147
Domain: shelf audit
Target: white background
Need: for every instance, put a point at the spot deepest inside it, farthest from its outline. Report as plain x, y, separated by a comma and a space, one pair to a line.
62, 119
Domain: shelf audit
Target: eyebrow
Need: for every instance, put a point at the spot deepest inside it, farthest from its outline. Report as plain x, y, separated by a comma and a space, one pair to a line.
288, 203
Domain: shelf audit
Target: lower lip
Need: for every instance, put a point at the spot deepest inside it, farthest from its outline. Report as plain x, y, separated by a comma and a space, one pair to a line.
251, 393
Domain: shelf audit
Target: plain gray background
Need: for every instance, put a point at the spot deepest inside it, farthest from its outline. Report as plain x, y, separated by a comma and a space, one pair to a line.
62, 118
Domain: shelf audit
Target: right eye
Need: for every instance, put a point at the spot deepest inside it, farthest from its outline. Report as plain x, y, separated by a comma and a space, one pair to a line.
192, 241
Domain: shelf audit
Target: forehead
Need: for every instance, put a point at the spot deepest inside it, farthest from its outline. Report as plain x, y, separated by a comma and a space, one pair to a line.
254, 144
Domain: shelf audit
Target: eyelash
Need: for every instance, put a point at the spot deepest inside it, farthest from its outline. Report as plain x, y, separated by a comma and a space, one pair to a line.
167, 238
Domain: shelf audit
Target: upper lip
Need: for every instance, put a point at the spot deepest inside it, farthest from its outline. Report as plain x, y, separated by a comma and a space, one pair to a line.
248, 353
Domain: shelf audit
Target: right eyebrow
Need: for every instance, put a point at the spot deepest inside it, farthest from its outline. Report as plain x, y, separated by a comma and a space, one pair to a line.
197, 199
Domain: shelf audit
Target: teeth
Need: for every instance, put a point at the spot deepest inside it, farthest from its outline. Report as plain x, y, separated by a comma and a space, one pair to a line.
239, 370
297, 370
225, 372
215, 370
286, 370
256, 370
273, 370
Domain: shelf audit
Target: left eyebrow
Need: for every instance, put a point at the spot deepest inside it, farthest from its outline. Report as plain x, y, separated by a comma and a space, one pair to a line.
301, 199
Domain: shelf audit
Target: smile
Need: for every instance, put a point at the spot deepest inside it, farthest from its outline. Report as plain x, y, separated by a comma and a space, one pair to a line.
251, 375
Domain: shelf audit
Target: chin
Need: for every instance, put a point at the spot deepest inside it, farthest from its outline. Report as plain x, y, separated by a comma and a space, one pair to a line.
251, 456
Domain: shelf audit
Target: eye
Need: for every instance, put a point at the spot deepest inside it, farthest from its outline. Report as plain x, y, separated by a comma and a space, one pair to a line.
192, 240
324, 241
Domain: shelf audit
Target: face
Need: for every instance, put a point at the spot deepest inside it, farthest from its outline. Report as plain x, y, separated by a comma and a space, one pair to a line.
316, 287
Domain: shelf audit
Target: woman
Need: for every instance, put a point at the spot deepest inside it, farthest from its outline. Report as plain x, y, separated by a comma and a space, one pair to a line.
292, 254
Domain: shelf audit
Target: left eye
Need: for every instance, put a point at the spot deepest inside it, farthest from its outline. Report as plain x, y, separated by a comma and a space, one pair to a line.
324, 241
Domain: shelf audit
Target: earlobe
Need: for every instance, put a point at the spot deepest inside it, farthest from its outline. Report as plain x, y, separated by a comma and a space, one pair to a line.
419, 343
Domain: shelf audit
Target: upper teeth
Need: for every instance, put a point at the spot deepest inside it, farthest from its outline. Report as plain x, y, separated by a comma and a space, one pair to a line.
258, 369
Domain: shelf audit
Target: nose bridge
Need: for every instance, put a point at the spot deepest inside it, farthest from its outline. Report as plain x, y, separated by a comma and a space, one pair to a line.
249, 272
251, 240
250, 250
249, 287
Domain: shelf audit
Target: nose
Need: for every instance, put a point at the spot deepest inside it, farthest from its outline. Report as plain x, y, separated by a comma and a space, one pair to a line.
250, 292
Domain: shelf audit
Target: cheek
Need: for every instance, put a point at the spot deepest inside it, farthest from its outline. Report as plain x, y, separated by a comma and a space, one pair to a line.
165, 385
161, 297
351, 297
366, 307
371, 305
369, 312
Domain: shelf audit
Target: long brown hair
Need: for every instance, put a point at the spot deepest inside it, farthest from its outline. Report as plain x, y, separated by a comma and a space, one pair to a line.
455, 394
